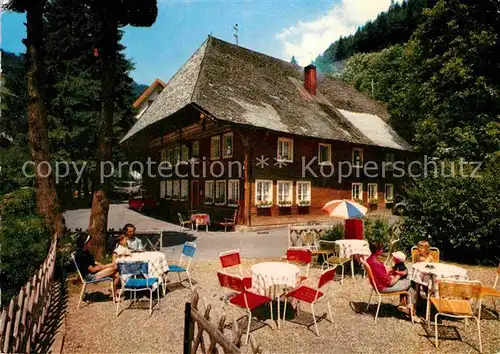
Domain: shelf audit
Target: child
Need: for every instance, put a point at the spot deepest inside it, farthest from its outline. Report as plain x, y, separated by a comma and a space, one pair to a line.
424, 252
399, 268
121, 250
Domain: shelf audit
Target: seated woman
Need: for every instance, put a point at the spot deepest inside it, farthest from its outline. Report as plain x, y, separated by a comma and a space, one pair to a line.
424, 252
121, 250
89, 268
387, 283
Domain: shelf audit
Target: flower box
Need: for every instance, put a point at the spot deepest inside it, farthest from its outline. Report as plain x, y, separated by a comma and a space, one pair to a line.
183, 199
175, 197
304, 203
264, 204
285, 204
233, 205
208, 201
373, 201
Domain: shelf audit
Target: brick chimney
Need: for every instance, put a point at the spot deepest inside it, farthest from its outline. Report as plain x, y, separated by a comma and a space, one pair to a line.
310, 79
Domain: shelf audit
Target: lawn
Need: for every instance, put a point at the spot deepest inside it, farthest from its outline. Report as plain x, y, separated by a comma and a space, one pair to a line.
95, 329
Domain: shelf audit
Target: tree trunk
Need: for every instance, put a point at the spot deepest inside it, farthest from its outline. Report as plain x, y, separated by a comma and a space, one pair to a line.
107, 52
47, 202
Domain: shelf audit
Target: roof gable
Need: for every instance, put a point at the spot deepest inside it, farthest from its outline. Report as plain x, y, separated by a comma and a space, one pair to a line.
148, 92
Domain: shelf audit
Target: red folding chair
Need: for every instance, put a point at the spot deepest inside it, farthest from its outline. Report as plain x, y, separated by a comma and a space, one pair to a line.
302, 256
230, 259
312, 296
244, 299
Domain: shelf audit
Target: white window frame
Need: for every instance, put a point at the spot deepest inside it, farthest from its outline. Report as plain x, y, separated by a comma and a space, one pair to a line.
169, 189
162, 189
371, 185
329, 160
211, 189
170, 156
184, 152
224, 155
176, 189
230, 196
212, 140
299, 198
163, 155
392, 192
360, 191
284, 202
184, 189
177, 155
290, 149
220, 185
354, 163
390, 158
269, 201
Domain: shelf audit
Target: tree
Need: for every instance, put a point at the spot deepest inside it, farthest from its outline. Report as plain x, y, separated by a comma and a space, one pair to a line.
111, 15
47, 201
294, 61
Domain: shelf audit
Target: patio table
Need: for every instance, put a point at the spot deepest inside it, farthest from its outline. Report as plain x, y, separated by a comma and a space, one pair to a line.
200, 219
429, 274
157, 264
269, 275
350, 248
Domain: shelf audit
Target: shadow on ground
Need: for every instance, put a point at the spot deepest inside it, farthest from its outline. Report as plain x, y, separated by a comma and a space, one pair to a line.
176, 238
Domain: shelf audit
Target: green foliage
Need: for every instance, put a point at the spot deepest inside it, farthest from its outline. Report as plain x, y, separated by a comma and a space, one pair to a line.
460, 215
11, 174
19, 204
335, 233
377, 229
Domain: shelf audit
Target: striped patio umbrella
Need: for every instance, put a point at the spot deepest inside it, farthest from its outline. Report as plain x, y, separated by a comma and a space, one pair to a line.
345, 209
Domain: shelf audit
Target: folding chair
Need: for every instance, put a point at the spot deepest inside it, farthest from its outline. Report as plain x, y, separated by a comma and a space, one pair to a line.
301, 256
184, 223
86, 282
230, 259
493, 292
455, 301
379, 294
336, 260
134, 284
186, 256
312, 296
434, 251
244, 299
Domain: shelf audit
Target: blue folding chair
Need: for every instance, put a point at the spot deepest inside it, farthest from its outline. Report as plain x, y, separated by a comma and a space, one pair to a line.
86, 282
134, 278
185, 262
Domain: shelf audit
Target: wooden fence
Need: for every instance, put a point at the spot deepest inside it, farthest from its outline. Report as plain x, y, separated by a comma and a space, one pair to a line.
194, 321
22, 321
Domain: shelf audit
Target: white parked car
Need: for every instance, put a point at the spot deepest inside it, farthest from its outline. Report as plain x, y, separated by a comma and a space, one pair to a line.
127, 188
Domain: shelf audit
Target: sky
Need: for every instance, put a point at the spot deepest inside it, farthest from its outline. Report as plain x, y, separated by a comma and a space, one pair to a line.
280, 28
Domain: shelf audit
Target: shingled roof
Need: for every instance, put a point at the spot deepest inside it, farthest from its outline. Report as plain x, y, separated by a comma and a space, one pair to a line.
237, 85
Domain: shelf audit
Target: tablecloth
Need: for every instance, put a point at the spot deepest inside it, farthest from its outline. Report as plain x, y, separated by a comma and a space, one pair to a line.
349, 248
268, 274
422, 272
157, 262
200, 219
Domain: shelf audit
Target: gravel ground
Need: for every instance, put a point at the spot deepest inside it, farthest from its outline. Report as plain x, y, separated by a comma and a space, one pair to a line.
94, 329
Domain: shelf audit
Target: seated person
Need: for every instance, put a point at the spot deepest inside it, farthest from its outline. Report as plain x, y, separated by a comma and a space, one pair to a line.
399, 267
89, 268
133, 243
122, 249
424, 252
387, 283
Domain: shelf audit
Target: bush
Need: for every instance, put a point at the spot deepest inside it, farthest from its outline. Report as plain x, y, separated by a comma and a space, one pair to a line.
18, 204
377, 229
25, 243
460, 215
335, 233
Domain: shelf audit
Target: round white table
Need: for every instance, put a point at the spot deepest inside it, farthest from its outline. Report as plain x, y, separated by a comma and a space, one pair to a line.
157, 263
267, 276
349, 248
429, 274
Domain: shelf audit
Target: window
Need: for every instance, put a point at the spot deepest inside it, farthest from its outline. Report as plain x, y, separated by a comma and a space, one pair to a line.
285, 149
304, 193
176, 188
285, 193
215, 147
233, 192
372, 192
209, 192
184, 189
195, 149
227, 145
163, 156
325, 153
263, 193
169, 189
220, 192
184, 153
389, 193
170, 156
162, 189
177, 155
357, 157
357, 191
389, 160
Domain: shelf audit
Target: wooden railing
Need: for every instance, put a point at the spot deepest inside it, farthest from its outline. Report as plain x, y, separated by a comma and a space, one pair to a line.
22, 321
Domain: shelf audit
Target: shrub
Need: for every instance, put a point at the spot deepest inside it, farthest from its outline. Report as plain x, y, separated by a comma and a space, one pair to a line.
18, 204
25, 243
377, 229
335, 233
460, 215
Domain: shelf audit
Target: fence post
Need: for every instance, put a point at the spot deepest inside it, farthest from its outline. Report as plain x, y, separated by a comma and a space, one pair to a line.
188, 330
